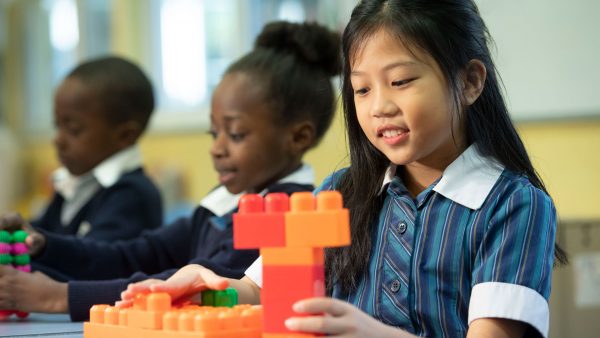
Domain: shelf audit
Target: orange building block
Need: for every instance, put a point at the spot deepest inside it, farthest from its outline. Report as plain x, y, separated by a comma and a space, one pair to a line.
292, 256
285, 285
289, 335
327, 225
260, 222
240, 321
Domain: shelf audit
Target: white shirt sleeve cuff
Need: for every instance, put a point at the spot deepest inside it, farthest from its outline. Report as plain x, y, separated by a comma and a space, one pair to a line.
510, 301
254, 272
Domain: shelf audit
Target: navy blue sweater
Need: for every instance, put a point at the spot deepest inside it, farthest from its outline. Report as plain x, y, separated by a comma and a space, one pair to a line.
100, 270
121, 211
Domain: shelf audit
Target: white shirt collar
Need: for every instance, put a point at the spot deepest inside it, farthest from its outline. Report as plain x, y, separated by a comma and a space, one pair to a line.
467, 181
220, 201
106, 173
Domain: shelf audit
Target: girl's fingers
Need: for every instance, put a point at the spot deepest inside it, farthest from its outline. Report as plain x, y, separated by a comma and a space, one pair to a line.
123, 303
317, 324
330, 306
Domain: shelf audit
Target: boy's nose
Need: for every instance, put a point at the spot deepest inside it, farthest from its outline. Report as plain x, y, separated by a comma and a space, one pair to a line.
59, 141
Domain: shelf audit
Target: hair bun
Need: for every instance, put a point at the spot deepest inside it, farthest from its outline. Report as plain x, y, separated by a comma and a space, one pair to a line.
312, 42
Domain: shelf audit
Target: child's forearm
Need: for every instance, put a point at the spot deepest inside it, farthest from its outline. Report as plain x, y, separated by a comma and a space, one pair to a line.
248, 291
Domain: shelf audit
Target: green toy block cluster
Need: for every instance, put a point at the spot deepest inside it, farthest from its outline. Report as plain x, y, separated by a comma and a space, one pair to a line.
227, 297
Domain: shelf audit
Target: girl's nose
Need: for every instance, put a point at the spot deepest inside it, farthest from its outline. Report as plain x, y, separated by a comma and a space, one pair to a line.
383, 105
218, 148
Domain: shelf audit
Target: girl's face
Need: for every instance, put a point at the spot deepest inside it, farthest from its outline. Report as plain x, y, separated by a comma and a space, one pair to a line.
84, 136
249, 151
403, 103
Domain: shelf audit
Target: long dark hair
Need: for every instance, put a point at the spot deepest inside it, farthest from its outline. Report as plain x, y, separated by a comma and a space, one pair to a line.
453, 33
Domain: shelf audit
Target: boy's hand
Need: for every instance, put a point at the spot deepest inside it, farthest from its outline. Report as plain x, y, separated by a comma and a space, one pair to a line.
338, 319
182, 286
31, 292
13, 221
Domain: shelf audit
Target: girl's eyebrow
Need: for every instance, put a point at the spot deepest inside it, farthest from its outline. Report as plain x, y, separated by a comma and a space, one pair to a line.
388, 67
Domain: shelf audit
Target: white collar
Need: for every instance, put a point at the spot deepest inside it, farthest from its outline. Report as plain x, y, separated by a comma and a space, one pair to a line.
467, 181
106, 173
220, 201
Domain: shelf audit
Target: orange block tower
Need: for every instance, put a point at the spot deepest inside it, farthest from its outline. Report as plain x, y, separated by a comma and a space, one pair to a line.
153, 316
291, 233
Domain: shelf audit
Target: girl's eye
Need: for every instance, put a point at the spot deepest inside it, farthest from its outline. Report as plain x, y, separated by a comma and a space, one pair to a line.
213, 134
401, 83
361, 91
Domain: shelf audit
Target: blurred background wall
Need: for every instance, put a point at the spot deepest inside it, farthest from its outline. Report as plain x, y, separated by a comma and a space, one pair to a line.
546, 52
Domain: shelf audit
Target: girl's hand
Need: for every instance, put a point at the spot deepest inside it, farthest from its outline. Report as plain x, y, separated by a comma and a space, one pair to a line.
182, 286
338, 319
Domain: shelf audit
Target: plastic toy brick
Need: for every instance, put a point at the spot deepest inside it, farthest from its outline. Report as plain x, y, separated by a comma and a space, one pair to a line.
323, 226
14, 252
153, 316
285, 285
292, 256
289, 335
227, 297
260, 222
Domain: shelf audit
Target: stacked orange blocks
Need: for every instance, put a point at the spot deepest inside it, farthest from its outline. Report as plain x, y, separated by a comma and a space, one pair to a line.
153, 316
291, 234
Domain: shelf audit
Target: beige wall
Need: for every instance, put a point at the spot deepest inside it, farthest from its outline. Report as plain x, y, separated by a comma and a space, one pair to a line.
566, 154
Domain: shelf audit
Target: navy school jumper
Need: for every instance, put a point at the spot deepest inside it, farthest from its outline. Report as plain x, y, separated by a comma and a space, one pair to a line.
99, 271
121, 211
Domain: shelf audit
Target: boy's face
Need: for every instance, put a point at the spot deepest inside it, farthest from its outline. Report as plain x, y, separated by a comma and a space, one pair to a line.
249, 150
84, 136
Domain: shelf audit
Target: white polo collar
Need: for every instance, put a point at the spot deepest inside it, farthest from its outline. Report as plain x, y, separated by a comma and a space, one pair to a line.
467, 181
220, 201
107, 173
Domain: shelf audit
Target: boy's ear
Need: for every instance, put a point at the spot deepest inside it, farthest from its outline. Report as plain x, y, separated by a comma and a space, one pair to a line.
128, 132
302, 136
473, 81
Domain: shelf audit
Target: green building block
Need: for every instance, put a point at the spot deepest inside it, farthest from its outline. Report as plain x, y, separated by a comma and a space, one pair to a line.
21, 259
6, 259
19, 236
227, 297
5, 236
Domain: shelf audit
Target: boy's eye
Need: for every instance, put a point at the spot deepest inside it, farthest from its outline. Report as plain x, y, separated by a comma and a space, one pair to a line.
237, 137
213, 134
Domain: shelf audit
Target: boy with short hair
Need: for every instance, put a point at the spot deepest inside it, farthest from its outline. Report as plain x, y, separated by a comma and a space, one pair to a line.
100, 110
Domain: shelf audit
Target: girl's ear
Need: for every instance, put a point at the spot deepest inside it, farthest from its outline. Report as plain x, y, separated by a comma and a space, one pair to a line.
473, 81
302, 137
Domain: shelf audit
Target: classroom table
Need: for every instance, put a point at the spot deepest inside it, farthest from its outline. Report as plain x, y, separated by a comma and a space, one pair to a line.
41, 325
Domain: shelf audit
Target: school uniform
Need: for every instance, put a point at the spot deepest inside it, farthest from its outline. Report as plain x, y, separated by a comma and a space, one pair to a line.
205, 238
477, 243
115, 200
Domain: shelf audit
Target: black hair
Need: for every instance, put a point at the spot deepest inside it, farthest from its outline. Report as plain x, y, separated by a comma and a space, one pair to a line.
453, 33
294, 62
122, 88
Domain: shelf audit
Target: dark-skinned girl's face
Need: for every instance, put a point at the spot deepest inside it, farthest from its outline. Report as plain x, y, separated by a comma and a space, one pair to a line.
250, 150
